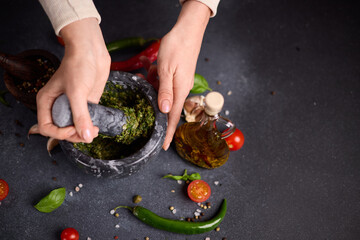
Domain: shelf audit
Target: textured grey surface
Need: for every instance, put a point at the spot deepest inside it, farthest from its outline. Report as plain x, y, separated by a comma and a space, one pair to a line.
110, 121
298, 174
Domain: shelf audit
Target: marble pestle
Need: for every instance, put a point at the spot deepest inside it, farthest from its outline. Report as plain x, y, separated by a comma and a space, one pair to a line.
110, 121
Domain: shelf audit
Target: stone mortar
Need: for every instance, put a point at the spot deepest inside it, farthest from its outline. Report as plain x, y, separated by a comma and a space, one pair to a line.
118, 168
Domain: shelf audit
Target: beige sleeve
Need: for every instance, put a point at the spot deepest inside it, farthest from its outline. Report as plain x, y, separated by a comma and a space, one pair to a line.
212, 4
64, 12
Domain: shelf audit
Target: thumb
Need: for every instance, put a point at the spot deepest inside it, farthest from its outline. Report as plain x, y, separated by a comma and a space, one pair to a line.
81, 117
165, 94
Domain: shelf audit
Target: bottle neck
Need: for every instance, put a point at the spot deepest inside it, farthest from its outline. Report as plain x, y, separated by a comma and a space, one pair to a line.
210, 123
209, 120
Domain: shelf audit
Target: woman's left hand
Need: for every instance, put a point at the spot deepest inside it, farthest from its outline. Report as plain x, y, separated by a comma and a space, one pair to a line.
178, 54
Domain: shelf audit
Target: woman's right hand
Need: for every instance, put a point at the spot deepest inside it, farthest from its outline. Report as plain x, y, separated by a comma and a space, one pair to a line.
82, 76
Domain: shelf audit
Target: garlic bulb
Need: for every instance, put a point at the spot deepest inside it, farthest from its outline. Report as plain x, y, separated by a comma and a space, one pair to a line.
194, 108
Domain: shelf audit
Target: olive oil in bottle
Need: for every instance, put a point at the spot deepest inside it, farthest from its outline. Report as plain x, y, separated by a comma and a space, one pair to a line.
201, 142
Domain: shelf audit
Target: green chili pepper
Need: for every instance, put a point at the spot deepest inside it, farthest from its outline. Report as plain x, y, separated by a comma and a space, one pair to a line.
128, 42
177, 226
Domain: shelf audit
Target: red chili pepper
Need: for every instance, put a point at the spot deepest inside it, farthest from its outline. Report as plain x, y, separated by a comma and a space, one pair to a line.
60, 40
134, 63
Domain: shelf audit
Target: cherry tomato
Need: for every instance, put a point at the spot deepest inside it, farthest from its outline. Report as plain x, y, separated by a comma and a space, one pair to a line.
236, 140
199, 191
4, 189
69, 234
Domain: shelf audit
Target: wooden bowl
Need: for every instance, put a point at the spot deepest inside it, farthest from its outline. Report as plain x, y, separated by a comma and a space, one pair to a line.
11, 82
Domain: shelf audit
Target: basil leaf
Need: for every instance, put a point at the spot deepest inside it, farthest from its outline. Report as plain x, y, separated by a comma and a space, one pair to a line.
52, 201
200, 84
194, 176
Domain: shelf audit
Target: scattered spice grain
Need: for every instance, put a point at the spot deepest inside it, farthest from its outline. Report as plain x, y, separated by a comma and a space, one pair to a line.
137, 199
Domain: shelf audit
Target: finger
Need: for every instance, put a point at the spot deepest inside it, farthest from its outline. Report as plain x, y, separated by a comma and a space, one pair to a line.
98, 88
76, 138
174, 117
44, 100
81, 115
165, 94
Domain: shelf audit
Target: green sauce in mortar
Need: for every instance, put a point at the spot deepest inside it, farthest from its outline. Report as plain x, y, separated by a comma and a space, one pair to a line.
141, 119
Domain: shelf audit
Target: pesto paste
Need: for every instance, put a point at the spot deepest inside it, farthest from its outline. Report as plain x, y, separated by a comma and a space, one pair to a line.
136, 131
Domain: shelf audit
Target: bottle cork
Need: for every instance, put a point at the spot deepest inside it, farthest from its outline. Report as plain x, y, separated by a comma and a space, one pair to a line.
214, 102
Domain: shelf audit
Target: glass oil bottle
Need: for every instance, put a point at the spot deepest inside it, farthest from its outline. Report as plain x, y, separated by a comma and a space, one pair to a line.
202, 143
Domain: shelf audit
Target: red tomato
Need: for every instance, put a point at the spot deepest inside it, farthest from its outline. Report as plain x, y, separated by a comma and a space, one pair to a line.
236, 140
4, 189
69, 234
199, 191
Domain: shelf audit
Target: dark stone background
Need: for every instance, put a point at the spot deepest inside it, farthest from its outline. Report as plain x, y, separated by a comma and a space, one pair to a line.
297, 176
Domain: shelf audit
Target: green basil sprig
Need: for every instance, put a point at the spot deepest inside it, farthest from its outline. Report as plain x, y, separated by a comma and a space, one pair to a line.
52, 201
185, 177
200, 84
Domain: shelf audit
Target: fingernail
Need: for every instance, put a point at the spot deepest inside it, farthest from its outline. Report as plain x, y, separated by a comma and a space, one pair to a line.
166, 147
86, 135
165, 106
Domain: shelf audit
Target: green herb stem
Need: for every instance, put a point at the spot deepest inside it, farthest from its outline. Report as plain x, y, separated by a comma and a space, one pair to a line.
130, 208
184, 177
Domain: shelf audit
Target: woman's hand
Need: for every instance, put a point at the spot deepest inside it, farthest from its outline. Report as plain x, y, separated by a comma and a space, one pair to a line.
82, 76
177, 59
